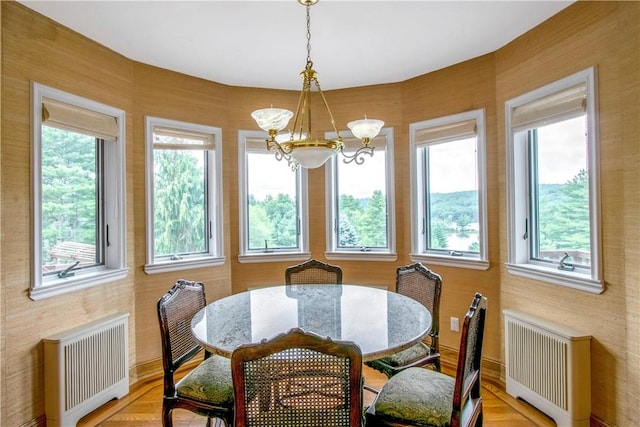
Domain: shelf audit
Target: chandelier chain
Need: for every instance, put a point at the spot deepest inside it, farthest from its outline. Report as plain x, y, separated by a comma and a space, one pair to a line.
309, 63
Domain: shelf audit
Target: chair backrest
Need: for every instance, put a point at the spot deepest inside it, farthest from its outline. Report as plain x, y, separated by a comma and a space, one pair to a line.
176, 308
423, 285
297, 379
466, 394
313, 272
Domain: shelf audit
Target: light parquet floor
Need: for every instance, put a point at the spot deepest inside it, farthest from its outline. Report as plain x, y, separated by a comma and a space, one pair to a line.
142, 407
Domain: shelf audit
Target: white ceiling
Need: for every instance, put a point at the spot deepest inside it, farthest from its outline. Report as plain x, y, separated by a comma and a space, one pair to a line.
263, 43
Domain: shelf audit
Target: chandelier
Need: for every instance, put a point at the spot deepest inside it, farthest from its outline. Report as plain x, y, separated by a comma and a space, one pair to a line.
298, 146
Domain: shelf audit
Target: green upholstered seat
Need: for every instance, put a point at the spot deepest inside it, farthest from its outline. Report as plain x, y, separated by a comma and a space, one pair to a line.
210, 382
403, 358
423, 397
417, 395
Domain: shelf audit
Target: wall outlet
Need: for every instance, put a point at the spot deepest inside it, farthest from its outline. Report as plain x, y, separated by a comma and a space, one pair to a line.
455, 324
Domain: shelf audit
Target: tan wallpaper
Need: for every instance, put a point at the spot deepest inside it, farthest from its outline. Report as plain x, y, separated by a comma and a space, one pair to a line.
604, 34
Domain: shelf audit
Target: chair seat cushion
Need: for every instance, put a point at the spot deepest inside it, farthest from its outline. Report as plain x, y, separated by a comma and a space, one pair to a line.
209, 382
419, 396
404, 357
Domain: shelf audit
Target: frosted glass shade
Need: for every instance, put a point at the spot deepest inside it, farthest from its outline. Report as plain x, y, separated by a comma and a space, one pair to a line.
272, 119
365, 129
312, 157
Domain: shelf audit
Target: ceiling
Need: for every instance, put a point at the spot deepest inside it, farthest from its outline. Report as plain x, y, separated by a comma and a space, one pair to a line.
263, 43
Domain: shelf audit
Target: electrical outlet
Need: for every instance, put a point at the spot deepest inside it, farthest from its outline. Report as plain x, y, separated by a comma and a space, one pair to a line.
455, 324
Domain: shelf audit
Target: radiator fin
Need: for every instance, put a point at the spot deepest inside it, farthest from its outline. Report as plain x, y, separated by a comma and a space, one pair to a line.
539, 361
549, 366
85, 367
93, 364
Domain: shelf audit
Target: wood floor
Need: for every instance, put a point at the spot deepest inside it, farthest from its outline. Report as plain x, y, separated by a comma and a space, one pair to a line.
142, 407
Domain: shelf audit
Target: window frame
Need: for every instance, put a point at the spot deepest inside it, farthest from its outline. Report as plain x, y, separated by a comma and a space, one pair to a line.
332, 251
114, 200
419, 251
213, 194
254, 256
519, 257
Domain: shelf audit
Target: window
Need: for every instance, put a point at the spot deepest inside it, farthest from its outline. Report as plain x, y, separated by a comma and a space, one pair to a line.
273, 204
360, 203
448, 191
553, 216
79, 193
184, 188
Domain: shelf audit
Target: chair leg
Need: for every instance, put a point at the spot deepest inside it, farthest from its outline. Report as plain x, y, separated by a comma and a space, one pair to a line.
167, 419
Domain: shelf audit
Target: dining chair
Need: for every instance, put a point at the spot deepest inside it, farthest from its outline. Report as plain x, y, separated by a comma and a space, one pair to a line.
418, 282
424, 397
298, 379
207, 389
313, 272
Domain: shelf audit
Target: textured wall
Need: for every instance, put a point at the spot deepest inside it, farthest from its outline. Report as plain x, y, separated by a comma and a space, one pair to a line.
604, 34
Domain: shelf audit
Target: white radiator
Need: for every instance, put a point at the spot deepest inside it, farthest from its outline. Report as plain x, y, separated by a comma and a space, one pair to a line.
84, 368
548, 366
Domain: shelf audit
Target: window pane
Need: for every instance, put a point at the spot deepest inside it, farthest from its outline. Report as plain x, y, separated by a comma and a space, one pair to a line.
452, 196
180, 220
70, 222
560, 202
362, 203
272, 204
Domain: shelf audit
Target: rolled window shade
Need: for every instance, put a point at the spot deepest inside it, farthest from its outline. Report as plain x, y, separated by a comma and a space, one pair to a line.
256, 145
73, 118
553, 108
446, 132
179, 139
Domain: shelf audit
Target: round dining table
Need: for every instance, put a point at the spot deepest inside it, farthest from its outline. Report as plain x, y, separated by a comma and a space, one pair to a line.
380, 322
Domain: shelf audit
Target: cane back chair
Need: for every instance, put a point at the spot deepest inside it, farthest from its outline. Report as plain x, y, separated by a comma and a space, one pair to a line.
207, 389
313, 272
423, 397
417, 282
298, 379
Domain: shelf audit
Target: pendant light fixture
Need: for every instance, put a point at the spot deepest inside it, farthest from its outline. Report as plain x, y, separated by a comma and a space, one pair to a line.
299, 146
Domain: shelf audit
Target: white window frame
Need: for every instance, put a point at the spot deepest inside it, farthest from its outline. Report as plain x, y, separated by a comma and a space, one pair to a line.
518, 262
419, 251
331, 201
215, 254
114, 267
253, 256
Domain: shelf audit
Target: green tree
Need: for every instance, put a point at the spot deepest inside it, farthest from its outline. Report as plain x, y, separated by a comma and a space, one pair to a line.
347, 233
282, 218
69, 194
179, 208
373, 224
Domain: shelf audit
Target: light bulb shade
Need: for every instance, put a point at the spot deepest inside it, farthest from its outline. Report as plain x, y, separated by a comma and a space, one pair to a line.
272, 119
312, 157
365, 129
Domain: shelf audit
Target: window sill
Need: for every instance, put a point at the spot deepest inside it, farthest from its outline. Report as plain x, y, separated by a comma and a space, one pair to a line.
569, 279
273, 257
55, 287
164, 267
451, 261
361, 256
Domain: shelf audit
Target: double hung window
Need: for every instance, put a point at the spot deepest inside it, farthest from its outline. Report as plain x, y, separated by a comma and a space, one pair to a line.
273, 204
79, 192
448, 191
184, 203
553, 184
360, 203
